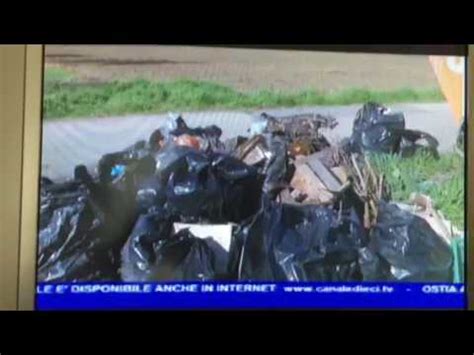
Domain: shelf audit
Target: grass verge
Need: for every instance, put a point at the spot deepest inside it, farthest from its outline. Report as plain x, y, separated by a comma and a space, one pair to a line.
441, 179
57, 75
65, 99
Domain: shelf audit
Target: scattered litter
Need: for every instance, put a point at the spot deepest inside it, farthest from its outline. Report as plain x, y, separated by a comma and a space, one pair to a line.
281, 204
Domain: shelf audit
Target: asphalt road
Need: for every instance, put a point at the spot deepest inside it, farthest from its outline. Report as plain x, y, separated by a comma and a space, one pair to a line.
83, 141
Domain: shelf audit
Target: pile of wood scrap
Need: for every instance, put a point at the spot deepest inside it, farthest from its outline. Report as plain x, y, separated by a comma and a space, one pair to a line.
320, 172
315, 180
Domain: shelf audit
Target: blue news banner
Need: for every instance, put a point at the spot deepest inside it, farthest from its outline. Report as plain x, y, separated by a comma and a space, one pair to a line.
248, 295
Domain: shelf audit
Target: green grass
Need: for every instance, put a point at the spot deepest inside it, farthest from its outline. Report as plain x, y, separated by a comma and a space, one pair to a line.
57, 75
442, 180
64, 99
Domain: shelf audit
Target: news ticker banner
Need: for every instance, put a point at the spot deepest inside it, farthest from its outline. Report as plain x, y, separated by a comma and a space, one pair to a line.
248, 295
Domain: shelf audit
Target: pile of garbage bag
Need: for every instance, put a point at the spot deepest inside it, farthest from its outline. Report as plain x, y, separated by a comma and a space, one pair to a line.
298, 207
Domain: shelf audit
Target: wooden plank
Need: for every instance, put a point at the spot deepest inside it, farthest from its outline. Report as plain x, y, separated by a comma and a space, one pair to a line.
325, 175
305, 181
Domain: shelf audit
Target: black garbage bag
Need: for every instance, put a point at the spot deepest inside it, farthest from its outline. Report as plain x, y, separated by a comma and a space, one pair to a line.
69, 247
211, 187
46, 181
241, 187
55, 195
414, 141
298, 243
379, 130
193, 191
372, 266
60, 225
171, 158
153, 253
410, 247
82, 232
150, 196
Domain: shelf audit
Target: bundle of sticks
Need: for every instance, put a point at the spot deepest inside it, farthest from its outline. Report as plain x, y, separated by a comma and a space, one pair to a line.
368, 185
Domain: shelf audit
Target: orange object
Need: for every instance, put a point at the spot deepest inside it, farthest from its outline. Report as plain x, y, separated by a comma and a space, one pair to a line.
300, 148
450, 74
188, 140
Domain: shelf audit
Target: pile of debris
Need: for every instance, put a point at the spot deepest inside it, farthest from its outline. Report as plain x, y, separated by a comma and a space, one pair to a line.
282, 204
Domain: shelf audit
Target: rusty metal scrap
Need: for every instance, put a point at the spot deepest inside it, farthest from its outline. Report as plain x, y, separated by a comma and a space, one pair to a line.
299, 125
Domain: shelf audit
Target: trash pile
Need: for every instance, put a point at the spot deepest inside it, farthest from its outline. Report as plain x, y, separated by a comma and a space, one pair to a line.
283, 204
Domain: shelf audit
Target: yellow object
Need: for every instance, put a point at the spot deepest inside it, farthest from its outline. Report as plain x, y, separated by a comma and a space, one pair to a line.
450, 74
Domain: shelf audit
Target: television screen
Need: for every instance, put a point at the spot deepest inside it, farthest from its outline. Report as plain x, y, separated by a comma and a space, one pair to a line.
186, 177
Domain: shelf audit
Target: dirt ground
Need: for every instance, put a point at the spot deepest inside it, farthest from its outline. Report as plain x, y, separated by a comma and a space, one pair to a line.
245, 69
